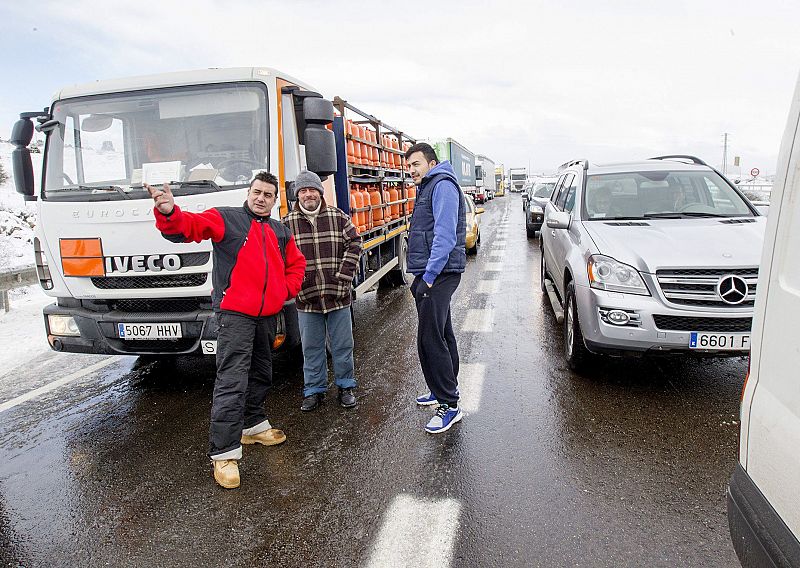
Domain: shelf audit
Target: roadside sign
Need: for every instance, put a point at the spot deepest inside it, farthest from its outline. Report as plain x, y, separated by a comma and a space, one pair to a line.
754, 172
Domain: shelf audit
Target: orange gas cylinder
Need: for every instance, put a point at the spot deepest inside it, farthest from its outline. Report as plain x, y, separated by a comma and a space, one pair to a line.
353, 214
387, 212
366, 215
394, 195
358, 158
357, 202
377, 207
411, 192
351, 152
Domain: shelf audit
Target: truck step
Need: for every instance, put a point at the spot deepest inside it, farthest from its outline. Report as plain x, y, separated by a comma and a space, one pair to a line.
557, 309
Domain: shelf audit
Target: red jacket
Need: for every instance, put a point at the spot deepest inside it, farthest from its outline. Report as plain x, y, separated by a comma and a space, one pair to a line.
253, 274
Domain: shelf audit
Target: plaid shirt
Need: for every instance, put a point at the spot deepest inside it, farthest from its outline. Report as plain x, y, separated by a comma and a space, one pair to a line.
332, 247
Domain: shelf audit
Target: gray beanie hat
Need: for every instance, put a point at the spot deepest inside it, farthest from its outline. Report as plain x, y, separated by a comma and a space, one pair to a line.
308, 179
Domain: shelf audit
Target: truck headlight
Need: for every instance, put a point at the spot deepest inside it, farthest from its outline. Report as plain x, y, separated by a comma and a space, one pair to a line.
605, 273
63, 325
536, 209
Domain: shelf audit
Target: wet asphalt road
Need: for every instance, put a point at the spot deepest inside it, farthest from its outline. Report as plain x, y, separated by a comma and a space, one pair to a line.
624, 466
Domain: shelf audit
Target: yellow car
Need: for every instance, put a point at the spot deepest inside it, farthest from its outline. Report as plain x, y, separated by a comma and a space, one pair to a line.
473, 225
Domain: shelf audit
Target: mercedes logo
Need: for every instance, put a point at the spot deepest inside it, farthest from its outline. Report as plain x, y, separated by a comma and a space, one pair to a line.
732, 289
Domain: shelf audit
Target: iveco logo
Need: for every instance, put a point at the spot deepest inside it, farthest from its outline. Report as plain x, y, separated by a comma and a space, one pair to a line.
732, 289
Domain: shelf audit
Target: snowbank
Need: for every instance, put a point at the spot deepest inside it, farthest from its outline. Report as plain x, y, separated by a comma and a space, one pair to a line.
17, 217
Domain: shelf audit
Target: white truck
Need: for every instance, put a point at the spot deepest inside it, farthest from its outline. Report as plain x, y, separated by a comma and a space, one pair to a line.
119, 286
484, 179
517, 178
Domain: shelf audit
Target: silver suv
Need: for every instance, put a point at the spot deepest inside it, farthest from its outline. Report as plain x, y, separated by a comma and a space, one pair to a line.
657, 256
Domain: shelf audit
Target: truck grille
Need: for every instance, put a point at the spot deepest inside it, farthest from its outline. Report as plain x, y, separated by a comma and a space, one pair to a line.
680, 323
699, 286
160, 281
162, 305
194, 258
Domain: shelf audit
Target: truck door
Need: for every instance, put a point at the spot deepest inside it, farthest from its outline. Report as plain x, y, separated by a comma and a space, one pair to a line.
290, 159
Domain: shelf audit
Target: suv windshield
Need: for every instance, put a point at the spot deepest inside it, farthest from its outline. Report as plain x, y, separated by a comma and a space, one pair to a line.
543, 190
203, 138
661, 194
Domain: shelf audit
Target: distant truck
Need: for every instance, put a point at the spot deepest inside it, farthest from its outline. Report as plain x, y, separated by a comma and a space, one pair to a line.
500, 180
119, 286
484, 179
517, 177
463, 163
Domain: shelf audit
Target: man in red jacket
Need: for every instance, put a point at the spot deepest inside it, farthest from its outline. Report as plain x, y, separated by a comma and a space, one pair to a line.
257, 267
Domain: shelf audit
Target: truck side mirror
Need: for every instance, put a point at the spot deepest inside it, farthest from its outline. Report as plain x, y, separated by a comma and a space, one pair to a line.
319, 141
21, 136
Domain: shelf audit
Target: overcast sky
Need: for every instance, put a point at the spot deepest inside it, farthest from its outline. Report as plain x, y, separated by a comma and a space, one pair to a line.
532, 82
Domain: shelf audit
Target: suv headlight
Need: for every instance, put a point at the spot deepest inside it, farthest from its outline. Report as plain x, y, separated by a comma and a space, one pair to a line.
536, 209
605, 273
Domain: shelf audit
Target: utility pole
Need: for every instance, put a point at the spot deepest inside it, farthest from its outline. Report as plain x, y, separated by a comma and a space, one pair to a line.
725, 155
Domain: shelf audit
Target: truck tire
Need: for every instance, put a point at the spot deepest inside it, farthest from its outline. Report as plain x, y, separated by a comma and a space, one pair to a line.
575, 351
398, 275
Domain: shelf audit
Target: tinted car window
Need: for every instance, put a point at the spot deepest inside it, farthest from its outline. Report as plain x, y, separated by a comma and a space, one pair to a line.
543, 190
565, 183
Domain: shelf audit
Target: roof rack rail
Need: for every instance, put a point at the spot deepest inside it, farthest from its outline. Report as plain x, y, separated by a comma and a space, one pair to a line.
565, 165
693, 159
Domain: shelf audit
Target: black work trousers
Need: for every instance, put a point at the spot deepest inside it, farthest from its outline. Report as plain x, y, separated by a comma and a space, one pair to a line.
436, 342
244, 375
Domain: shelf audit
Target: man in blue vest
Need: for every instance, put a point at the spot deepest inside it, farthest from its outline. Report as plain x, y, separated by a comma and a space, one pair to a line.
436, 257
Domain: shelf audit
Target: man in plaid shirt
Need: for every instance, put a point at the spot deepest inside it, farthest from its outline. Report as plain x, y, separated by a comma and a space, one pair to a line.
332, 246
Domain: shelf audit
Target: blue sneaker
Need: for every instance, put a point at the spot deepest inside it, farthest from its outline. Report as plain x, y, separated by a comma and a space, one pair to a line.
444, 418
427, 399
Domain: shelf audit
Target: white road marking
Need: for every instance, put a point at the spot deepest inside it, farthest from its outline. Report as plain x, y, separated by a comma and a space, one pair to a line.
416, 533
494, 266
470, 383
487, 286
56, 384
497, 253
478, 320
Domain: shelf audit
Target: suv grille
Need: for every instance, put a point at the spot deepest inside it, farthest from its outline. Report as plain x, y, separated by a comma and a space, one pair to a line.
699, 286
161, 281
680, 323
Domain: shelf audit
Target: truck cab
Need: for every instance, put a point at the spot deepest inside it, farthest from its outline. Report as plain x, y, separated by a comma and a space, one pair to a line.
118, 286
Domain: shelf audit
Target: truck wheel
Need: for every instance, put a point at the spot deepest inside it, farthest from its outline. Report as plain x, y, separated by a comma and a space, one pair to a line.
398, 275
575, 350
542, 270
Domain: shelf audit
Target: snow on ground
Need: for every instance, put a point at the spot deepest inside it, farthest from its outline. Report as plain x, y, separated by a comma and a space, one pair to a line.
17, 217
22, 332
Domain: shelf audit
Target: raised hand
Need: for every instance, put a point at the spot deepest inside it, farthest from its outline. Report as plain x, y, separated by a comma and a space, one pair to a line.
163, 198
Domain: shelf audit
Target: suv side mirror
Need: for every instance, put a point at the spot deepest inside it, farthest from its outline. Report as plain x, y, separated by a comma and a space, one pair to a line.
21, 136
319, 141
559, 219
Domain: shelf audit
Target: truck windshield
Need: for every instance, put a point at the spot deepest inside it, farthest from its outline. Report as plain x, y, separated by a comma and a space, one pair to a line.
661, 194
207, 138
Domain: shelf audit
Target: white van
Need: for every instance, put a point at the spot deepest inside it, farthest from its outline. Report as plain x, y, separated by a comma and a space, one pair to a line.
764, 492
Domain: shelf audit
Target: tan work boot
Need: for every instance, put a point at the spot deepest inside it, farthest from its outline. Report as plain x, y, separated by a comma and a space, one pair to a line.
226, 473
271, 437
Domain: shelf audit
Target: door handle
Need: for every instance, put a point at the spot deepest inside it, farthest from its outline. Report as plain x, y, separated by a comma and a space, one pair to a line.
553, 232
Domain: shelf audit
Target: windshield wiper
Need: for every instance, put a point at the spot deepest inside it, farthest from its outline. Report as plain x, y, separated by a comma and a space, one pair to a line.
116, 188
702, 214
197, 183
665, 215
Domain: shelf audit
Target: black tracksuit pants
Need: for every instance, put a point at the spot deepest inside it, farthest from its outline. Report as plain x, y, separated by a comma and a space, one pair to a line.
436, 342
244, 375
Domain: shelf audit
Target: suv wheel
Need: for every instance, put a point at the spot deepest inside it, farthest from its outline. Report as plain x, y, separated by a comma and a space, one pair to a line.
575, 350
542, 270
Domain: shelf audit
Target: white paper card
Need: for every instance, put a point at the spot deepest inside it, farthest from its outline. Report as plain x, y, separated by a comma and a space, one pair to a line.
161, 172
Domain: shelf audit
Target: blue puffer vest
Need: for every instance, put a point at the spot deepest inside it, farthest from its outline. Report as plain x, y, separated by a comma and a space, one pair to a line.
420, 234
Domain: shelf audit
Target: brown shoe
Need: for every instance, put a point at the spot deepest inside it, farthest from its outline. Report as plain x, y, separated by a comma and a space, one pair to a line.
226, 473
271, 437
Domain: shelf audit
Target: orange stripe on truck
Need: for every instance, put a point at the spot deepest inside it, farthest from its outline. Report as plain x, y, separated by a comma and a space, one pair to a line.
80, 248
83, 266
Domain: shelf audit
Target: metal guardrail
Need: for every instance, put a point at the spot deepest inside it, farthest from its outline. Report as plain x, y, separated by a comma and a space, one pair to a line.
16, 278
